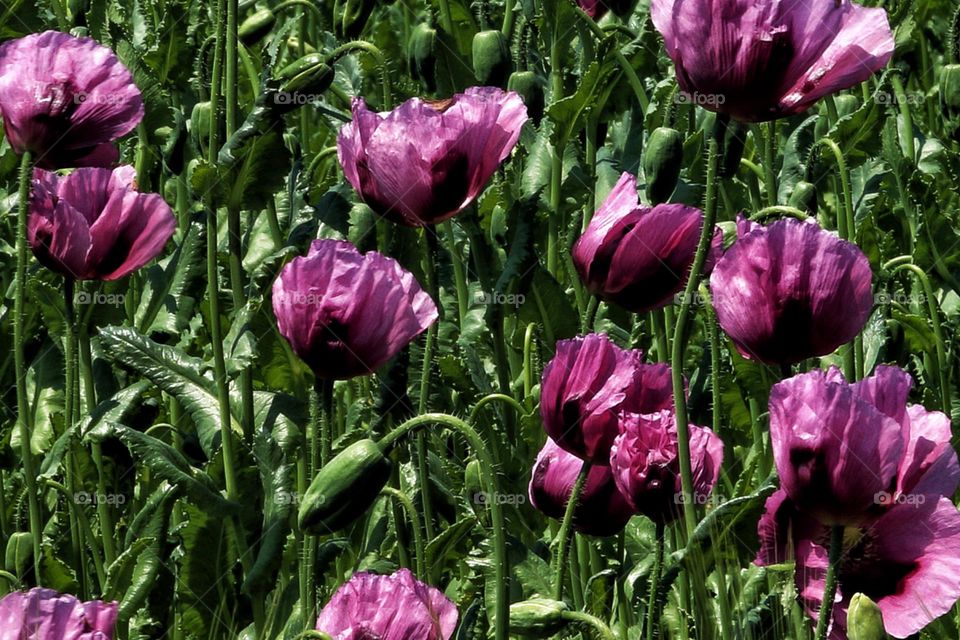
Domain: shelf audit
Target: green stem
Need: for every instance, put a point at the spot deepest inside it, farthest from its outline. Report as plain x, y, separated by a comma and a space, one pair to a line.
404, 501
940, 352
769, 175
599, 626
19, 358
69, 412
652, 631
830, 584
679, 336
459, 276
495, 397
423, 461
356, 46
563, 536
906, 133
498, 530
779, 210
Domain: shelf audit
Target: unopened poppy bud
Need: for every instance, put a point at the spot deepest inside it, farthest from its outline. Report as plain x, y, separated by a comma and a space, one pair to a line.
491, 58
538, 617
345, 488
293, 46
529, 86
804, 197
19, 552
472, 483
309, 74
950, 86
662, 163
200, 119
864, 619
422, 55
256, 27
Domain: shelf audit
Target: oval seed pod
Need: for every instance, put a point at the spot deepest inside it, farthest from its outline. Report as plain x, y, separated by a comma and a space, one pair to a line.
256, 27
804, 197
422, 55
491, 58
200, 120
19, 553
538, 617
530, 88
662, 162
345, 488
864, 619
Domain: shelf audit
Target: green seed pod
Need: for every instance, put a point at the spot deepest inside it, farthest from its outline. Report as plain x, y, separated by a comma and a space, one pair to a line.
804, 197
256, 27
345, 488
538, 617
309, 75
662, 161
491, 58
19, 553
846, 104
950, 86
472, 483
864, 619
530, 88
200, 119
422, 55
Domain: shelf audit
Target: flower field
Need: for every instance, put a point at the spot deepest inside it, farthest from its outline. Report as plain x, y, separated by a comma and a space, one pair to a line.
450, 320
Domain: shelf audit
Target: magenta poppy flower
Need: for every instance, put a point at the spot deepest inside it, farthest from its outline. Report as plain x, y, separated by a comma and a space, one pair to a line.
66, 99
346, 313
397, 606
44, 614
791, 291
907, 560
94, 225
845, 452
587, 384
646, 468
760, 61
425, 161
638, 257
601, 509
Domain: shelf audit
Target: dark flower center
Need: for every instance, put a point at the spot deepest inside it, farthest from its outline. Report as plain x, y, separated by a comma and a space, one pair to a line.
865, 571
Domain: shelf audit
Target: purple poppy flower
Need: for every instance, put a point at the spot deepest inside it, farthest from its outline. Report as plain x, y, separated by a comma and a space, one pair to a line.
346, 313
601, 509
425, 161
637, 257
94, 225
845, 452
586, 385
907, 560
646, 468
791, 291
65, 99
44, 614
760, 61
394, 607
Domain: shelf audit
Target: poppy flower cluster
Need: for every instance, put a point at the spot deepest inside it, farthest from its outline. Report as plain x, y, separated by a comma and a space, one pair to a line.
603, 405
858, 456
66, 100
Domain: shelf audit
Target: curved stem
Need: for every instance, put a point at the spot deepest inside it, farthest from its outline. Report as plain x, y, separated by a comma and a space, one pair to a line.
495, 397
295, 4
459, 276
940, 353
779, 210
564, 535
356, 46
404, 501
19, 359
489, 476
830, 584
599, 626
